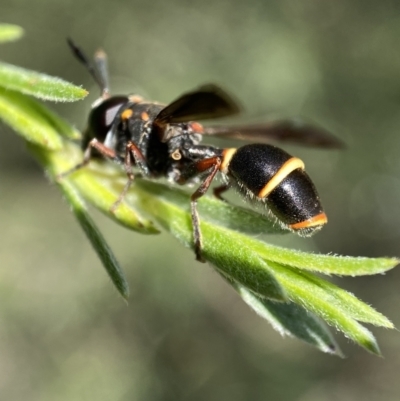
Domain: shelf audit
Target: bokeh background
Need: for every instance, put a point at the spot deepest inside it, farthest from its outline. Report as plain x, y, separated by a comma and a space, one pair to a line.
64, 332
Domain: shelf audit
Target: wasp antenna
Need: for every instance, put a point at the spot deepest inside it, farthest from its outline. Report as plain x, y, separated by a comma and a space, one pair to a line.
100, 59
100, 74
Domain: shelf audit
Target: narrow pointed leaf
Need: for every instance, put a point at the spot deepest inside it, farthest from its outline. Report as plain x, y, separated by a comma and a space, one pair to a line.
327, 264
9, 32
39, 85
21, 113
98, 242
348, 302
292, 320
315, 299
319, 293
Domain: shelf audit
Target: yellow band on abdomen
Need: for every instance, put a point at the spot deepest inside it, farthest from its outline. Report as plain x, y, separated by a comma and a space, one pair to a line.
292, 164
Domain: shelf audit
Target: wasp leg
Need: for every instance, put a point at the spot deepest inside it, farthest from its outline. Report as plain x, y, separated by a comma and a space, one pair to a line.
214, 164
220, 190
102, 149
133, 156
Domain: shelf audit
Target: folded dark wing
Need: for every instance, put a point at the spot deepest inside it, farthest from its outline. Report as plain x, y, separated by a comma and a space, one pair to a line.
207, 102
294, 131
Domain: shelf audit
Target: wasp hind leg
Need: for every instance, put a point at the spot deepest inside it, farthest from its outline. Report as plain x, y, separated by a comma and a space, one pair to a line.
218, 191
214, 164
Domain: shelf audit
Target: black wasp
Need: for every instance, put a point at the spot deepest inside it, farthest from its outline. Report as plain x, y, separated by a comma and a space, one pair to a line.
164, 141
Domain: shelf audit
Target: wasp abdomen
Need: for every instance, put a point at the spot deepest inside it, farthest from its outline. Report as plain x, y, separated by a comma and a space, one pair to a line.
255, 165
296, 203
275, 177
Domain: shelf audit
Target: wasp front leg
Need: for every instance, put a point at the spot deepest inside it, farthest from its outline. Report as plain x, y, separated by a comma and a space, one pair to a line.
87, 156
133, 157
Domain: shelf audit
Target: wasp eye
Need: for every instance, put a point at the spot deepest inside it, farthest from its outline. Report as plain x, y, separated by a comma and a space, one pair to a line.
102, 116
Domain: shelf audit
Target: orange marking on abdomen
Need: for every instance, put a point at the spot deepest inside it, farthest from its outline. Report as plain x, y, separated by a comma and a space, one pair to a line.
318, 220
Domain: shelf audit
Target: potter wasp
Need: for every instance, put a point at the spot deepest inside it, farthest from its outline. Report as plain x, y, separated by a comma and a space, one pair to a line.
159, 140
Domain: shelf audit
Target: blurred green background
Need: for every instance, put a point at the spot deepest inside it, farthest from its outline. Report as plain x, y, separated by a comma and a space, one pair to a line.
65, 334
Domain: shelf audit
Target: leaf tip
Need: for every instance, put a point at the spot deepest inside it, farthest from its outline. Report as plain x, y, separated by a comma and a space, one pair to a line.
10, 32
125, 293
333, 349
371, 345
82, 93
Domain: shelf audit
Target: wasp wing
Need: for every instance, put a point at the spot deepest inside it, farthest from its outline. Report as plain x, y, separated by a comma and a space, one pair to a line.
295, 131
207, 102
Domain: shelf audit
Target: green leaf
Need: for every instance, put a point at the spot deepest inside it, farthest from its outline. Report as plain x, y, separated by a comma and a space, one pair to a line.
24, 116
343, 300
310, 292
39, 85
99, 244
327, 264
292, 320
9, 33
